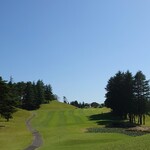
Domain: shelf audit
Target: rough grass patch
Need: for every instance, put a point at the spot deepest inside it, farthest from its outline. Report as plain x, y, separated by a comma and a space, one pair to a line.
133, 133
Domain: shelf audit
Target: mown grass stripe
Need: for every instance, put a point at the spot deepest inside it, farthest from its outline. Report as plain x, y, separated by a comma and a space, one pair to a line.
66, 128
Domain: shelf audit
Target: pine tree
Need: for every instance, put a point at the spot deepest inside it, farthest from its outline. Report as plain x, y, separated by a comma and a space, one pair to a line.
141, 96
6, 101
115, 94
29, 102
40, 92
48, 93
129, 96
20, 90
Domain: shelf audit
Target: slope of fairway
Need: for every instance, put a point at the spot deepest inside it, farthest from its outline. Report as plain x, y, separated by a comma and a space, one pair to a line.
14, 134
64, 128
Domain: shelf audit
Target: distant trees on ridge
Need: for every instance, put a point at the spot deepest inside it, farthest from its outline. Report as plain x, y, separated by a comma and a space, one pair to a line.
26, 95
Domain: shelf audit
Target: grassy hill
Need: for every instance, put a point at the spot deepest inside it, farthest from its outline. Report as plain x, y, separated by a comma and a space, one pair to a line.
63, 127
14, 134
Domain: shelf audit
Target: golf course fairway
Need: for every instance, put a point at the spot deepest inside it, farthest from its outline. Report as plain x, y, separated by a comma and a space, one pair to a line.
64, 127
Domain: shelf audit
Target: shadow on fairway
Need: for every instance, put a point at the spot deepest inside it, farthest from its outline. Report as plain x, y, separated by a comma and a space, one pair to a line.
109, 120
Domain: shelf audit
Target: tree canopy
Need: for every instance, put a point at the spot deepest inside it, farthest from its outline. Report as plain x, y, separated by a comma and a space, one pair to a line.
129, 96
6, 101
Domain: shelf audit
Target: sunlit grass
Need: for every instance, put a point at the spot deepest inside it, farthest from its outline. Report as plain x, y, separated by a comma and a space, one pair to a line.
65, 128
14, 134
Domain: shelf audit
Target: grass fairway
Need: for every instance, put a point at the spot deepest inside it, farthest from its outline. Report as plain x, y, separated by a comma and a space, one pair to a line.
14, 134
63, 127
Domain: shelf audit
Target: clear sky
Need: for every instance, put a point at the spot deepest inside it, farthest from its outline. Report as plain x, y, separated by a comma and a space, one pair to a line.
74, 45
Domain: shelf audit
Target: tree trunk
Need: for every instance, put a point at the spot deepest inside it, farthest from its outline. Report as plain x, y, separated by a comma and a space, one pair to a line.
140, 119
134, 120
143, 119
130, 118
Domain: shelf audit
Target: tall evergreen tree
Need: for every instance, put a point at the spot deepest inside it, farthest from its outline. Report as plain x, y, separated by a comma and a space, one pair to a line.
40, 92
20, 90
6, 101
129, 96
141, 96
115, 94
48, 94
29, 102
13, 92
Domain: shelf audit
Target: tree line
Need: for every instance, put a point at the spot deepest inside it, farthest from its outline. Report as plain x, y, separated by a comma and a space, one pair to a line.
25, 95
129, 96
86, 105
83, 104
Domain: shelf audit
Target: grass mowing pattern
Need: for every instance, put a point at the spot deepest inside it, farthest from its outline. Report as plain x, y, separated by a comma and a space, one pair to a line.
14, 134
63, 127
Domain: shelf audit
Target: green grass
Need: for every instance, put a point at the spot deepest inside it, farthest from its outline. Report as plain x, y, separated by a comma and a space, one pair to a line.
13, 134
63, 127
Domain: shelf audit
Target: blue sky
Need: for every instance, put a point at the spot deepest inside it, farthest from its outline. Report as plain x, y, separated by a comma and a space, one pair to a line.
74, 45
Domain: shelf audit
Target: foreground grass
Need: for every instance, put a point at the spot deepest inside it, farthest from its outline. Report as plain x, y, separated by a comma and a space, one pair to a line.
14, 134
63, 127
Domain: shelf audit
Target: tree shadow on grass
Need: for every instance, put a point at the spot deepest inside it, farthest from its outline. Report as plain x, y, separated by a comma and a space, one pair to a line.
110, 120
2, 126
